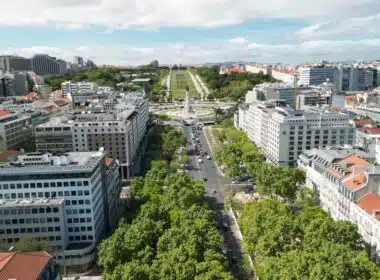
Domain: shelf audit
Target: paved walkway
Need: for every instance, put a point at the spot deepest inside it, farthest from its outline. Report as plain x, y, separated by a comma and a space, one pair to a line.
197, 86
205, 89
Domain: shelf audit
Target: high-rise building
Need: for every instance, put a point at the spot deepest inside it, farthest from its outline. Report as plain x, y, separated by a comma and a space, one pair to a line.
7, 85
78, 60
15, 63
62, 66
21, 85
287, 132
155, 64
63, 200
43, 64
90, 64
346, 185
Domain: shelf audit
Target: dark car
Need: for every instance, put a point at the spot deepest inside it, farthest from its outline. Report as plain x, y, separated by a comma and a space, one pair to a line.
205, 179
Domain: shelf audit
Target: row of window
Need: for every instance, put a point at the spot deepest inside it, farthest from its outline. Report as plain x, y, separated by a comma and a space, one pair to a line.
79, 229
45, 185
78, 202
29, 230
78, 211
44, 194
81, 237
79, 220
25, 210
29, 221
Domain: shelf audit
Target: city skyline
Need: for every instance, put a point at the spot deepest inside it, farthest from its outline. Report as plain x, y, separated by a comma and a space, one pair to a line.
125, 33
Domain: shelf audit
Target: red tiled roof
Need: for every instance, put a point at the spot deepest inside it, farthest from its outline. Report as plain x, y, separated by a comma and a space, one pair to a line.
109, 161
349, 162
370, 130
50, 108
356, 182
22, 266
362, 122
4, 113
370, 203
4, 156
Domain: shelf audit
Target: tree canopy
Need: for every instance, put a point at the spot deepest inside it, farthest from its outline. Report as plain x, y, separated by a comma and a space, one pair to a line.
172, 237
231, 86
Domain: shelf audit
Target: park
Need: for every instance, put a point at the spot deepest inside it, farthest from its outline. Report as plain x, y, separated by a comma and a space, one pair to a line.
180, 80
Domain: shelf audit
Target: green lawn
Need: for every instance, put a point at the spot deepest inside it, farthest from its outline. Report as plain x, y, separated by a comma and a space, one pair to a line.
179, 80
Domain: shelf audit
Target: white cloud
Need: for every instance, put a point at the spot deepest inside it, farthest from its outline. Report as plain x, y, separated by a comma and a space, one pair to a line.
238, 41
310, 51
352, 26
157, 13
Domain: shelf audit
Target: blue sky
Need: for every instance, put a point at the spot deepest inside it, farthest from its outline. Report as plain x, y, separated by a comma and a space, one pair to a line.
125, 32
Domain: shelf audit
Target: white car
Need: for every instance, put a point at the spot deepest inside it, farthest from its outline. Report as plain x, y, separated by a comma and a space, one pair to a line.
200, 160
208, 157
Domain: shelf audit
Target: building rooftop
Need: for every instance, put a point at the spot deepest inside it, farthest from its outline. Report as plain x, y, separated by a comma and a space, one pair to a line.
57, 121
4, 113
362, 122
371, 204
39, 163
370, 130
9, 155
22, 266
273, 86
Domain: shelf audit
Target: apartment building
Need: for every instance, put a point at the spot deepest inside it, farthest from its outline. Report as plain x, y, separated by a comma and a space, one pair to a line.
14, 129
284, 133
63, 200
43, 64
346, 185
15, 63
309, 76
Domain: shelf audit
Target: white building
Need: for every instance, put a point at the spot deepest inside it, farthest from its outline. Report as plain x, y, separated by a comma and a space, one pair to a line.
116, 124
77, 89
17, 106
347, 186
63, 200
284, 133
272, 91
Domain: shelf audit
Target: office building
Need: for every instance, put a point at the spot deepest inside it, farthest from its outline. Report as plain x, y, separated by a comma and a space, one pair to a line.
7, 85
62, 66
284, 133
15, 129
54, 136
117, 124
310, 76
62, 200
346, 185
272, 91
21, 85
78, 60
90, 64
311, 97
43, 64
353, 79
28, 266
15, 63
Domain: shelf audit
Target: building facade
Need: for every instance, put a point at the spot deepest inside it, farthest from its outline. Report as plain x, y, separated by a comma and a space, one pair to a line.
310, 76
284, 133
15, 63
21, 84
347, 187
62, 200
7, 85
15, 129
43, 64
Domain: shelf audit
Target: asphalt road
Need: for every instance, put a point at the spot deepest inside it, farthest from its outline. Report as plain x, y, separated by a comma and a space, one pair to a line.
214, 182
